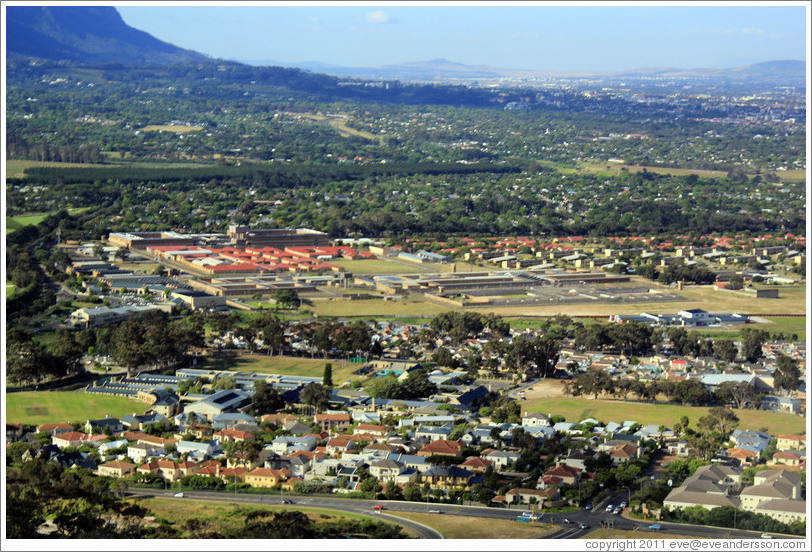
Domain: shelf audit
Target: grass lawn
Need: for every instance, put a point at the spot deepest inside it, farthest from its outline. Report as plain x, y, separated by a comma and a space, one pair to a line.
464, 527
13, 223
39, 407
295, 366
575, 409
787, 325
377, 308
220, 516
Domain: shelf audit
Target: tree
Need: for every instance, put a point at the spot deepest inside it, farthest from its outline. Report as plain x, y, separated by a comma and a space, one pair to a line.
721, 420
740, 394
417, 385
725, 349
327, 379
787, 374
316, 395
287, 298
751, 342
592, 382
266, 399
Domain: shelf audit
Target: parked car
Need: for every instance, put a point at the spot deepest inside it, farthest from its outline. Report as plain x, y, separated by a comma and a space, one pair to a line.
609, 508
655, 527
583, 526
617, 510
588, 507
766, 536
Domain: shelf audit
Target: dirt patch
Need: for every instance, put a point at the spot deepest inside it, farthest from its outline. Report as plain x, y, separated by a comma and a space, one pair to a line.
36, 411
545, 389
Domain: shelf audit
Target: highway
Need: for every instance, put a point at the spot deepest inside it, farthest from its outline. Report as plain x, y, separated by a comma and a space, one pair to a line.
568, 523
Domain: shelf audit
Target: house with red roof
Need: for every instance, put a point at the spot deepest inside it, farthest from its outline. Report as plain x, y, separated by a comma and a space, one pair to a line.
69, 439
441, 447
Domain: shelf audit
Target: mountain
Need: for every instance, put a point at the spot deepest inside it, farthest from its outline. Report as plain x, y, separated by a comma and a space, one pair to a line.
84, 34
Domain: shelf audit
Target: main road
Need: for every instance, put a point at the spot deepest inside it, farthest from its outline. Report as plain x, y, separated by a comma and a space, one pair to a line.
569, 524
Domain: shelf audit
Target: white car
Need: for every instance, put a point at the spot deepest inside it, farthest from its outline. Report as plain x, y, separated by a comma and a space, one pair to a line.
766, 536
178, 495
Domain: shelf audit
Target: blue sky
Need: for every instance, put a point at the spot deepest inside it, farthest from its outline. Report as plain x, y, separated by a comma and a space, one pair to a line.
537, 36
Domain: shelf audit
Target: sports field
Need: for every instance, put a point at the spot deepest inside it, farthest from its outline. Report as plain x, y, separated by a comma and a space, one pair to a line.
39, 407
575, 409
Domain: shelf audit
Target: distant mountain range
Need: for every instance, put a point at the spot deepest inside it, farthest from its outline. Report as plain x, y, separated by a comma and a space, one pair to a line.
443, 69
99, 34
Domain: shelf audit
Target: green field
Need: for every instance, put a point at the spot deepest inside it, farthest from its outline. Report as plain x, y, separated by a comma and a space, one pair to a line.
294, 366
575, 409
787, 325
39, 407
14, 223
377, 308
221, 516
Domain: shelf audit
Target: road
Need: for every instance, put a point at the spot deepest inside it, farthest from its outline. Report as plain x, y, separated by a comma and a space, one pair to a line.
568, 523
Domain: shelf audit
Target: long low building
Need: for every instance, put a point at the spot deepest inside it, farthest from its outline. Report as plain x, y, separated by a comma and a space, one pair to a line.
100, 316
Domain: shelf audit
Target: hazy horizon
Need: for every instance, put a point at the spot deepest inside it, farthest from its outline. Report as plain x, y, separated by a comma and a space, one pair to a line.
534, 36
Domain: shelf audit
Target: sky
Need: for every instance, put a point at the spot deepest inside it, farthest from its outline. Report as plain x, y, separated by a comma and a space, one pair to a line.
579, 36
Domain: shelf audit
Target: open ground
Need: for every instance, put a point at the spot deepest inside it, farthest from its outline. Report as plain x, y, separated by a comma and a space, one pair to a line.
294, 366
548, 397
177, 129
469, 527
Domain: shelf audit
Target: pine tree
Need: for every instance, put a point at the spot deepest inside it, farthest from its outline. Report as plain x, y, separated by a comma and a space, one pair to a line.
328, 375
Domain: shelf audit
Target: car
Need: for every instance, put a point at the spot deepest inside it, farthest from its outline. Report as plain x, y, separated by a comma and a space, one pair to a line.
286, 501
617, 510
565, 520
655, 527
766, 536
178, 495
435, 512
624, 504
583, 526
378, 507
588, 507
609, 507
527, 514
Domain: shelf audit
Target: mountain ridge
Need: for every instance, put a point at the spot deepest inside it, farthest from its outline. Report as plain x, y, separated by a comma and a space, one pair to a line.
85, 34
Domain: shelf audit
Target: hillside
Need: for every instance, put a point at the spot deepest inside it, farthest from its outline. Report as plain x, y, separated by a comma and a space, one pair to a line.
84, 34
